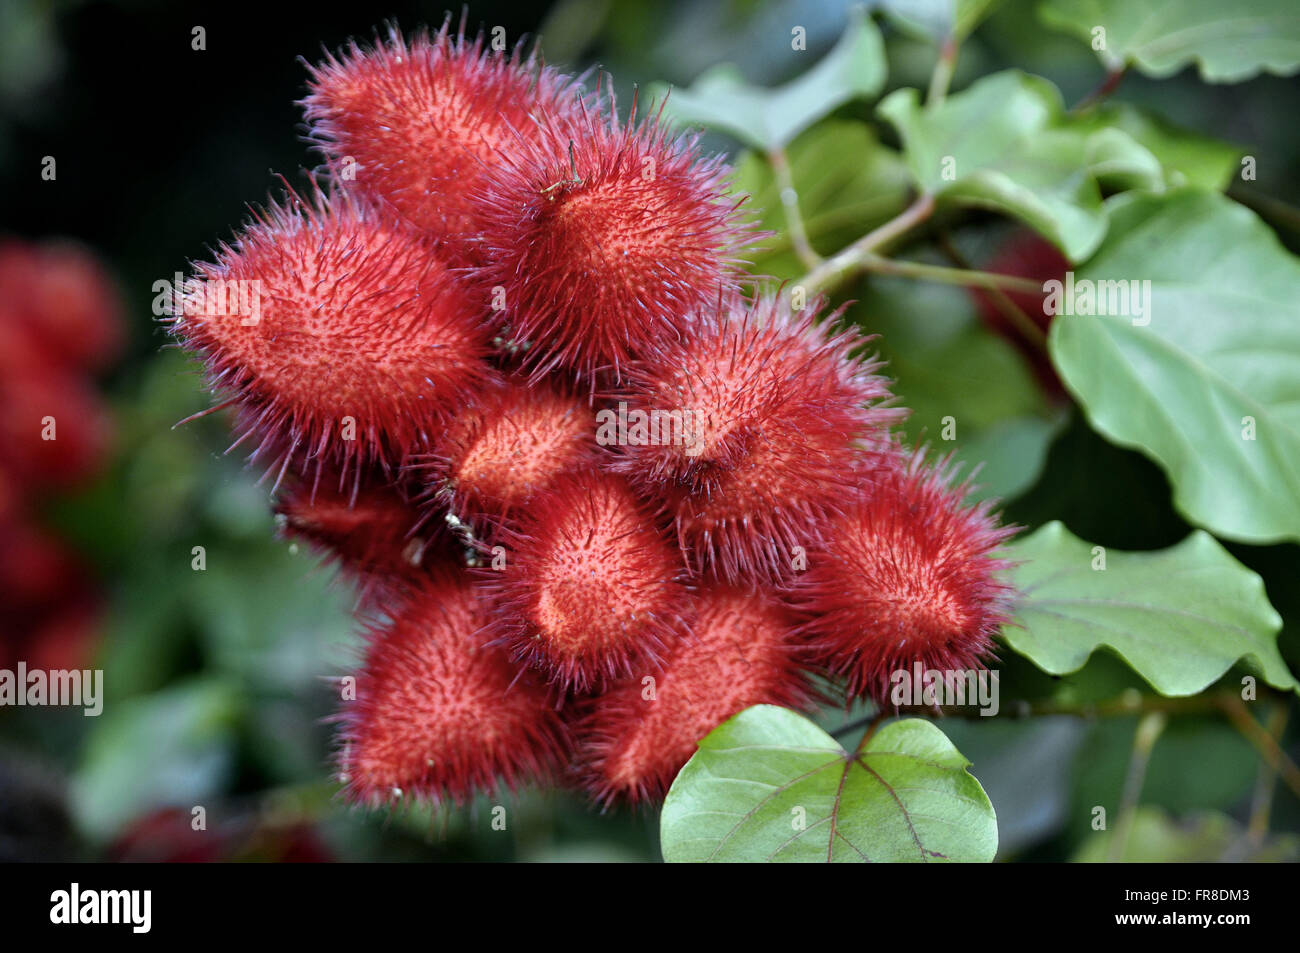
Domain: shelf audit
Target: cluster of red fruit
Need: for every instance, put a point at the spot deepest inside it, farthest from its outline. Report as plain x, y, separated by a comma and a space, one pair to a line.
60, 324
598, 499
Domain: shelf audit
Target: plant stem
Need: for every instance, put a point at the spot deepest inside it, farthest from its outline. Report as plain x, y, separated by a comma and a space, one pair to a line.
853, 258
790, 202
1027, 326
878, 264
1144, 740
1108, 85
942, 75
1261, 802
1231, 705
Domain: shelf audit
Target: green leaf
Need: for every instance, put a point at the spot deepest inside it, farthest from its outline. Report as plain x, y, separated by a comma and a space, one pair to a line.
768, 119
1205, 837
951, 366
1210, 388
1229, 41
847, 182
1180, 617
938, 19
770, 785
1185, 157
174, 747
1005, 143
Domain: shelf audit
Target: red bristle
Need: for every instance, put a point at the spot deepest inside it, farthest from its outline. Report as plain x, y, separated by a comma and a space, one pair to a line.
602, 236
423, 120
511, 445
379, 539
777, 409
590, 587
741, 652
361, 346
907, 574
439, 714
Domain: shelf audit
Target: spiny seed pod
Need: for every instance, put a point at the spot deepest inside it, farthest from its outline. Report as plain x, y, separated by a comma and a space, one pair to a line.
514, 443
907, 574
589, 587
343, 340
440, 715
741, 652
417, 123
601, 237
766, 412
377, 538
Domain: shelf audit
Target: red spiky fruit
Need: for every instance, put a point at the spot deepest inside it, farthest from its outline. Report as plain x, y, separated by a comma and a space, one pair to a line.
351, 344
601, 237
907, 573
438, 713
590, 587
514, 443
423, 120
62, 295
775, 410
54, 431
741, 652
379, 539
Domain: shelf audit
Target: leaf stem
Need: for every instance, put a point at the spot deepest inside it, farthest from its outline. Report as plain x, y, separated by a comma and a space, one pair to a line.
1261, 802
1231, 705
941, 78
790, 202
853, 258
1027, 326
1148, 732
1108, 85
878, 264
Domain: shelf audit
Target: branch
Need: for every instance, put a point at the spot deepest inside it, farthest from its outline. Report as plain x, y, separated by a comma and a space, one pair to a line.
852, 259
790, 202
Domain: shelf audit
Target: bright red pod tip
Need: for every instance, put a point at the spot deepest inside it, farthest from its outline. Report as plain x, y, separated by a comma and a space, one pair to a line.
438, 714
417, 123
342, 338
775, 409
906, 574
511, 445
602, 236
589, 586
741, 652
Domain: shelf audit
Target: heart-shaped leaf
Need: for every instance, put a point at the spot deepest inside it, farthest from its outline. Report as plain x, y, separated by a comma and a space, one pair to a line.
1206, 379
768, 119
769, 785
1228, 41
1180, 617
1005, 143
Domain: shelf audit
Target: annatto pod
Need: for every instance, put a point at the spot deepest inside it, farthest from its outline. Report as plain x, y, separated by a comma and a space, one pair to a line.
380, 540
741, 652
513, 444
601, 237
773, 409
341, 338
417, 124
907, 574
438, 713
589, 587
